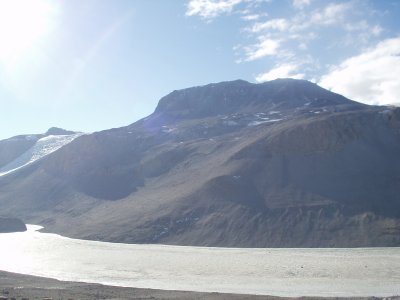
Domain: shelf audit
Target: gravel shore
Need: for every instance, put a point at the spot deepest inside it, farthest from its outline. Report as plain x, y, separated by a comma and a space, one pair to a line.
19, 287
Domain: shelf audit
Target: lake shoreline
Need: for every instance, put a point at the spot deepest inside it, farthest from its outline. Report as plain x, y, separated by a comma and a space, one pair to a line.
166, 272
33, 287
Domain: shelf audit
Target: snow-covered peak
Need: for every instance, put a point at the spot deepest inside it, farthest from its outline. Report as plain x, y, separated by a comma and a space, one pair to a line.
40, 149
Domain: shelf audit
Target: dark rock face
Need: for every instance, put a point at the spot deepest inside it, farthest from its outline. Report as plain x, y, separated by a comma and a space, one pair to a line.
58, 131
11, 225
280, 164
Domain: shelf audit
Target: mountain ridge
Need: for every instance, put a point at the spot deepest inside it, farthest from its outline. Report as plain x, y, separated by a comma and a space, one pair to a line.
322, 175
231, 96
19, 151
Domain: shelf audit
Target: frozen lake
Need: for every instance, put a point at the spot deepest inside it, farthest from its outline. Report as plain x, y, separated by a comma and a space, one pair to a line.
283, 272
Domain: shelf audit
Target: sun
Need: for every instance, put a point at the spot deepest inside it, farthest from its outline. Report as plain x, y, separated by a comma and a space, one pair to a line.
22, 24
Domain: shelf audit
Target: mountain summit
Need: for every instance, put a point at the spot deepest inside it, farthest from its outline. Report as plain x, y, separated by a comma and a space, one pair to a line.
242, 96
279, 164
58, 131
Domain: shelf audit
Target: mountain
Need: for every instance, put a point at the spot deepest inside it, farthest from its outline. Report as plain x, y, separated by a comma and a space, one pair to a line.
242, 96
11, 225
19, 151
284, 163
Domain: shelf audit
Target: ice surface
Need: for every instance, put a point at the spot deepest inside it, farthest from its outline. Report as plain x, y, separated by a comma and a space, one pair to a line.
283, 272
42, 147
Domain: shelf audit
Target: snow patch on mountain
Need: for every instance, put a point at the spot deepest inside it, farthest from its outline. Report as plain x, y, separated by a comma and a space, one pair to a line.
256, 123
42, 148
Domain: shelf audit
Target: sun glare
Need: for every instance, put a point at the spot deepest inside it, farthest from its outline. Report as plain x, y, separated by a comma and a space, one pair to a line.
22, 24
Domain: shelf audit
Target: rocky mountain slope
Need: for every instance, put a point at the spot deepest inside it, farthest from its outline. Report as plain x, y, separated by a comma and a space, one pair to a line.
279, 164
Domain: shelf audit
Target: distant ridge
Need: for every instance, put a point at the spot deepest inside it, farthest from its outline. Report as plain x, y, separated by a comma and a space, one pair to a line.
58, 131
20, 151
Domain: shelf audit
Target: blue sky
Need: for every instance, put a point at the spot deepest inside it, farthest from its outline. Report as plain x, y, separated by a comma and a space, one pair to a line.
90, 65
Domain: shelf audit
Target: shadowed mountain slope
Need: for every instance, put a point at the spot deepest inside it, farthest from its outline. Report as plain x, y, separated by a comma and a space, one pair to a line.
279, 164
11, 225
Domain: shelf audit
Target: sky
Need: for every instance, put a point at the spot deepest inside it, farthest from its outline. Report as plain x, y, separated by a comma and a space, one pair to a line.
90, 65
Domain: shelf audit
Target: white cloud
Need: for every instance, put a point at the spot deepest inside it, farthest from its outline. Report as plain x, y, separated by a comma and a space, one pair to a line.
371, 77
275, 24
282, 71
366, 30
300, 4
252, 17
377, 30
208, 9
303, 46
357, 26
266, 47
331, 14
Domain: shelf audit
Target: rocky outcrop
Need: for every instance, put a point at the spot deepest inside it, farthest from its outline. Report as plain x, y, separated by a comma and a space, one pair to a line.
11, 225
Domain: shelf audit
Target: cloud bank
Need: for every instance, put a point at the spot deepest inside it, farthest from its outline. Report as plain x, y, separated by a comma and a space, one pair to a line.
371, 77
209, 9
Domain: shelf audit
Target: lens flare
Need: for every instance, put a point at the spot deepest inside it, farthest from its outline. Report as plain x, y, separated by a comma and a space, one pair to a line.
22, 24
